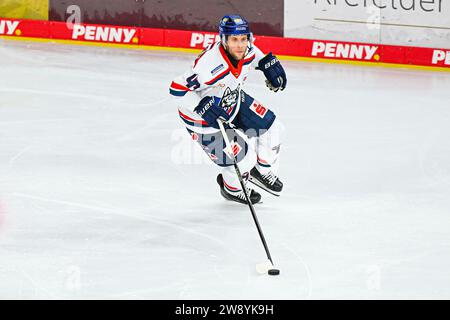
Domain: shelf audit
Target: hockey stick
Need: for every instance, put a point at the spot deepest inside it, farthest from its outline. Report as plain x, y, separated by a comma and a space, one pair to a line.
267, 266
251, 179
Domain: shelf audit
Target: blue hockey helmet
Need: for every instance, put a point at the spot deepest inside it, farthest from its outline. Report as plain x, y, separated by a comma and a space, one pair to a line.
234, 25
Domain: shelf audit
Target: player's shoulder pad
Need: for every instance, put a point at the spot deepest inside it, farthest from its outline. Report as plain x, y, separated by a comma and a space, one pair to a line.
210, 64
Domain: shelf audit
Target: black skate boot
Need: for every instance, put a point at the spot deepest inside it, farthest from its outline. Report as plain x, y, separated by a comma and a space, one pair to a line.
269, 182
238, 196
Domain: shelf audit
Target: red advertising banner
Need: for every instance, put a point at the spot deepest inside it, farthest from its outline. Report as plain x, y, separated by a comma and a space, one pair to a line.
304, 48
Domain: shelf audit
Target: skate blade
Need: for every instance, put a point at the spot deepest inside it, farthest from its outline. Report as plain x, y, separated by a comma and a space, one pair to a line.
240, 203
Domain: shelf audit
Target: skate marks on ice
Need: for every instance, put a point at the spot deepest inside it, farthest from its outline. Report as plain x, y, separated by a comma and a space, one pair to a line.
364, 212
218, 259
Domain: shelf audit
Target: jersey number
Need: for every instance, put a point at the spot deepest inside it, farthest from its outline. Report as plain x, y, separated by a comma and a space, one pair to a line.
192, 82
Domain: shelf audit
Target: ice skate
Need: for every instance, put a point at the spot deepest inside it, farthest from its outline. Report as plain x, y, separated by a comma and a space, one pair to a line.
238, 195
269, 181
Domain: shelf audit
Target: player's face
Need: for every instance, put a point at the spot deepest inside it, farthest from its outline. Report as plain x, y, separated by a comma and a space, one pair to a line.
237, 46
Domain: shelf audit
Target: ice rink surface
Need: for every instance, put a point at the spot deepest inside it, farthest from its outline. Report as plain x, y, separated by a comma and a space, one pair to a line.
103, 195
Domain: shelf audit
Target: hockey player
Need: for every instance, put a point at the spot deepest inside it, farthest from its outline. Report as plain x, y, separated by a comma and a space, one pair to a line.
212, 89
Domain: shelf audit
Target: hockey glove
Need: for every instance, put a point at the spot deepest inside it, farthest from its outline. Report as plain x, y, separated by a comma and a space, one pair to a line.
274, 72
209, 109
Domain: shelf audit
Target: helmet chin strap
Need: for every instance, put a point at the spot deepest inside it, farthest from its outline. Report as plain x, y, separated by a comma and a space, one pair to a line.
224, 41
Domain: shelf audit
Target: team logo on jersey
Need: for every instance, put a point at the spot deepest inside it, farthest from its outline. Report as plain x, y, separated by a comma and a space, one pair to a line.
229, 99
217, 69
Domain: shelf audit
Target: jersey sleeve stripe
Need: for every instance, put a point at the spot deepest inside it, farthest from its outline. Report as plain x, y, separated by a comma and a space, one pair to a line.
177, 86
177, 93
190, 121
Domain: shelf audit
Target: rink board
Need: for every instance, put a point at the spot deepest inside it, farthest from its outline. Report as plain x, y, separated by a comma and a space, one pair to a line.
306, 49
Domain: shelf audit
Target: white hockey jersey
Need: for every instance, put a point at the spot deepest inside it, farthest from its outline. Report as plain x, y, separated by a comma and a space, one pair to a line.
212, 74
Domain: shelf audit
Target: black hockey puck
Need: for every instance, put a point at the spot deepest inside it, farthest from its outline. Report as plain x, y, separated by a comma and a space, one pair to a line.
274, 272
